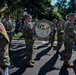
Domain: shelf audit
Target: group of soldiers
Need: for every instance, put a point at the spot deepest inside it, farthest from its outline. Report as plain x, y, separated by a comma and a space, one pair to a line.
63, 29
65, 34
6, 32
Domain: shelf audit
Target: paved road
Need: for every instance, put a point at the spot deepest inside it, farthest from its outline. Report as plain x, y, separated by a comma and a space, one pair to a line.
47, 62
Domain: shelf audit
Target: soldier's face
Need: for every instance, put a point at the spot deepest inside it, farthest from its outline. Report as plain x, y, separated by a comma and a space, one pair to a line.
8, 17
55, 21
30, 19
61, 22
27, 19
72, 18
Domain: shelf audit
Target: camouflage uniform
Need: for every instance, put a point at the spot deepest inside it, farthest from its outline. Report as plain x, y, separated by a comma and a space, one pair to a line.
28, 35
60, 31
75, 34
4, 47
52, 38
9, 28
69, 39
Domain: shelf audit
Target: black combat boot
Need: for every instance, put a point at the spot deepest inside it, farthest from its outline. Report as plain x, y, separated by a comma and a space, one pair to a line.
68, 64
30, 64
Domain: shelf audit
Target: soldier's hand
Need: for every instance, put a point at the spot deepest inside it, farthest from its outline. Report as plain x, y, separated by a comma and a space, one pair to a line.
1, 27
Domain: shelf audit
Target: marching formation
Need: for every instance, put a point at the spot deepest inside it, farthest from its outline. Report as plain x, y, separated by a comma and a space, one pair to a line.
65, 31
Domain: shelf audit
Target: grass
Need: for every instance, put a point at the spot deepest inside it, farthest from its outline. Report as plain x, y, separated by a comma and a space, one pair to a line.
20, 35
55, 37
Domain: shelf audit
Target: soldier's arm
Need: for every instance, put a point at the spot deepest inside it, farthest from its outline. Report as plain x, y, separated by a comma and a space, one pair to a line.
69, 30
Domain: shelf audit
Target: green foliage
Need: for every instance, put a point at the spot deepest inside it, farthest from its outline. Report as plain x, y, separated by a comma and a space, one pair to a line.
72, 6
39, 8
62, 7
20, 35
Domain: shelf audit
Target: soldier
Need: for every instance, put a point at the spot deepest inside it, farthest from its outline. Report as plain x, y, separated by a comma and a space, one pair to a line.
52, 38
8, 25
28, 35
4, 49
69, 29
60, 31
75, 30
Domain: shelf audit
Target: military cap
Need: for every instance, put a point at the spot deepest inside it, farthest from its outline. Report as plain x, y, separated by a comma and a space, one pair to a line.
71, 14
28, 16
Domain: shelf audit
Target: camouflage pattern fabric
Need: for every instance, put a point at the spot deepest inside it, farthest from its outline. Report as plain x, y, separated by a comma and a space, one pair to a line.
52, 38
69, 39
59, 36
8, 25
9, 28
4, 47
28, 35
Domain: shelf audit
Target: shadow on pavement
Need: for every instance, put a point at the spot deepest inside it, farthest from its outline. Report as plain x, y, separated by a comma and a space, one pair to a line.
62, 55
74, 66
42, 53
17, 45
18, 60
63, 71
17, 56
42, 46
49, 66
22, 67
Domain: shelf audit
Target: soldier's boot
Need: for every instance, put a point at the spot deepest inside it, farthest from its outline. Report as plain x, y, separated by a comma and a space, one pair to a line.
68, 64
32, 61
30, 64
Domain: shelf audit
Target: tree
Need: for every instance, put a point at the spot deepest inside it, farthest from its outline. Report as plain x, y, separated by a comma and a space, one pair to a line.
62, 7
72, 6
40, 8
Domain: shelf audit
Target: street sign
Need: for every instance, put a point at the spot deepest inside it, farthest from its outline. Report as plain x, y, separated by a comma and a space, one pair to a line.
43, 29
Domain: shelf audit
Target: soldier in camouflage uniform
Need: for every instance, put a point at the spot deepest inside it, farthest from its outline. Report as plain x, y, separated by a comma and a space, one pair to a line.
4, 49
52, 38
69, 39
28, 35
60, 31
75, 30
9, 26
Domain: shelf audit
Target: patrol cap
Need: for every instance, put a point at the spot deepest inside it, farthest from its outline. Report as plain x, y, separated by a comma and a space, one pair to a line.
28, 16
54, 19
71, 14
60, 19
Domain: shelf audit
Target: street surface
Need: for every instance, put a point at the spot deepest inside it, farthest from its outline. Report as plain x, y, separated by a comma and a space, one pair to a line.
47, 62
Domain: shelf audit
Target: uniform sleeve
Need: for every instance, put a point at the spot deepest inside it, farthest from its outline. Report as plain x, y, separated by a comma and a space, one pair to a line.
4, 23
69, 29
27, 32
59, 29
